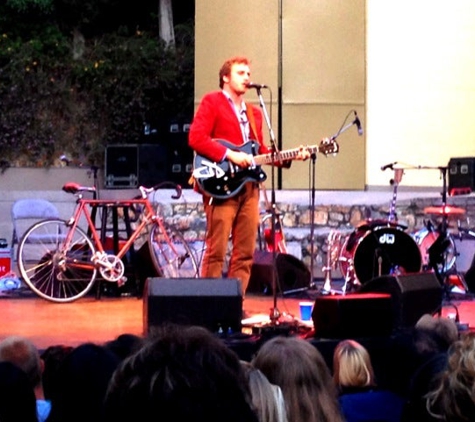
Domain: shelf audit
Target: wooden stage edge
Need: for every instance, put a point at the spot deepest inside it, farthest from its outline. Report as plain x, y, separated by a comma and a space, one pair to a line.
101, 320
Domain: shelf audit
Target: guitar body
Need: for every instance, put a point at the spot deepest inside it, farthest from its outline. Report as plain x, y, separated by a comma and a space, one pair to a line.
224, 179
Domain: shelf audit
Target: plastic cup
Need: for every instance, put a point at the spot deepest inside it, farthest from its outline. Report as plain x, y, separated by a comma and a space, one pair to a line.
306, 310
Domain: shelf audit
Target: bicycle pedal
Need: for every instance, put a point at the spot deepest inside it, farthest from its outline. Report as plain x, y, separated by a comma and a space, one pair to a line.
121, 281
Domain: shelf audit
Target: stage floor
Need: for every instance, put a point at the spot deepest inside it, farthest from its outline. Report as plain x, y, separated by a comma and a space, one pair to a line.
101, 320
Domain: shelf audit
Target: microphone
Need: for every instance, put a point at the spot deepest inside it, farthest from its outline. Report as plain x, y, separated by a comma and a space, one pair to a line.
388, 166
257, 86
357, 122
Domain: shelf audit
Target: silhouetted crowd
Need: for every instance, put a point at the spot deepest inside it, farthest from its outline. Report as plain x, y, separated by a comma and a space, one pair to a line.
178, 373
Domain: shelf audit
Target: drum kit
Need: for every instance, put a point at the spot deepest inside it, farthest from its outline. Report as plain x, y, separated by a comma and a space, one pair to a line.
384, 247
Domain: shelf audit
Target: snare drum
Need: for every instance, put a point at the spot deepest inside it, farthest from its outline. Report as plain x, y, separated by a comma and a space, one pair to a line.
425, 239
370, 252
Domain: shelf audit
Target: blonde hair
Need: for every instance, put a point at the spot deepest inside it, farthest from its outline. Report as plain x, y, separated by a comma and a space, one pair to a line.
352, 365
299, 369
454, 396
267, 399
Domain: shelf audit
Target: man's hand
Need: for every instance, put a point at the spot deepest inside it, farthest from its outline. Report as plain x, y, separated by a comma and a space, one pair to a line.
303, 154
240, 158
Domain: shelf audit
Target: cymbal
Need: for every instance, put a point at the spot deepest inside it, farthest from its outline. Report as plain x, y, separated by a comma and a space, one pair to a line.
447, 210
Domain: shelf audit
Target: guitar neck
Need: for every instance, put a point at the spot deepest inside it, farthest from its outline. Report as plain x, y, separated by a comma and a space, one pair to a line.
285, 155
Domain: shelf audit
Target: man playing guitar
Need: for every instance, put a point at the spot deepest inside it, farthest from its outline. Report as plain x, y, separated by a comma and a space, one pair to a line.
223, 115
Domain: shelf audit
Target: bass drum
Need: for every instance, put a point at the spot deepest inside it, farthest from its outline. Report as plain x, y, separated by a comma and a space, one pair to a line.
425, 239
370, 252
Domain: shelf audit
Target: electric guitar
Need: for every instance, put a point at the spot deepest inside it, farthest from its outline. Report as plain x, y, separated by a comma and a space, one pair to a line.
224, 179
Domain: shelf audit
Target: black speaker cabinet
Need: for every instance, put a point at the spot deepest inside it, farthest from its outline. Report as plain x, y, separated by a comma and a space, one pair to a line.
214, 303
121, 166
461, 175
412, 295
129, 166
353, 315
290, 271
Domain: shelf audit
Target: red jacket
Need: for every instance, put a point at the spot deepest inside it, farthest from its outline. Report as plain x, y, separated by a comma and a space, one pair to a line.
216, 119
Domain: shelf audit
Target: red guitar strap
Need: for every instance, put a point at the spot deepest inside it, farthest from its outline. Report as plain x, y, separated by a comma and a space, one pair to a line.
252, 122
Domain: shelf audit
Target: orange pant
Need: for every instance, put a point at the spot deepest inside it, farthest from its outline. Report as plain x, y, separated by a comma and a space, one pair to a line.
239, 217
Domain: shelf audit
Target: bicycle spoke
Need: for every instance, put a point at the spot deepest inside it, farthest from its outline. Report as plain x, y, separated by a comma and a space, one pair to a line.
172, 256
53, 269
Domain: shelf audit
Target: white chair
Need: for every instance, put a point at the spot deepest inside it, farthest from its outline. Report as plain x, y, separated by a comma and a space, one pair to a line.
26, 212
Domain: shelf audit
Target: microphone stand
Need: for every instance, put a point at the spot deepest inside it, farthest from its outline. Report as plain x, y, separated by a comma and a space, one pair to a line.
312, 283
274, 313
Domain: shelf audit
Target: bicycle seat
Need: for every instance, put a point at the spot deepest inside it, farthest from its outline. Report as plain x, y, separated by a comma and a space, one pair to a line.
72, 187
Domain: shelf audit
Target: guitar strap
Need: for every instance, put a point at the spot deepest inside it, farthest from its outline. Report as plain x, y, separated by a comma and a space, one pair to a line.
252, 122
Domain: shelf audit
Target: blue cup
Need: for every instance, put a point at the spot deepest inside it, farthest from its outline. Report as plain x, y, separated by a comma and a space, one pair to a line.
306, 310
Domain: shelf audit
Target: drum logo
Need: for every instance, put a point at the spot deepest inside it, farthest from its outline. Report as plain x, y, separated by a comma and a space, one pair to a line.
388, 239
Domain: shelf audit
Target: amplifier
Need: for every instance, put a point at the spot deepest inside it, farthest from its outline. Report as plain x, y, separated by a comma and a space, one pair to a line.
130, 166
461, 175
121, 169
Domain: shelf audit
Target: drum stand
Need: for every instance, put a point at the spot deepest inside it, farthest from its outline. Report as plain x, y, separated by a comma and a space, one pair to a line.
438, 250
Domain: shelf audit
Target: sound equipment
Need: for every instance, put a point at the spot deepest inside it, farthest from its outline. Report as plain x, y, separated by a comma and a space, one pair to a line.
214, 303
121, 166
130, 166
291, 273
412, 295
353, 315
461, 175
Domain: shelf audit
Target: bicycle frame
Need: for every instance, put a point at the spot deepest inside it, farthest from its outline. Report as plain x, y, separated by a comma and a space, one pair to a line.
84, 207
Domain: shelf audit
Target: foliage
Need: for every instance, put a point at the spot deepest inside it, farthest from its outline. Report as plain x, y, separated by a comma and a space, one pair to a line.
64, 93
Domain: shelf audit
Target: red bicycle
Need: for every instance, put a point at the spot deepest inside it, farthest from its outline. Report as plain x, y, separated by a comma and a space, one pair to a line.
60, 260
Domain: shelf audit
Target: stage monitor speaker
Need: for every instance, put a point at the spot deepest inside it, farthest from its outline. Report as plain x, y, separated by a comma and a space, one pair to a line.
412, 295
291, 273
214, 303
353, 315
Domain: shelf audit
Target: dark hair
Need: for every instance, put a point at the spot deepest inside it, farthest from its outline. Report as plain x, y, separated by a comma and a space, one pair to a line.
81, 383
182, 373
17, 398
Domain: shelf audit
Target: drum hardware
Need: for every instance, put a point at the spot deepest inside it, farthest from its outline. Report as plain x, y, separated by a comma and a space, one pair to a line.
398, 173
333, 251
371, 252
444, 210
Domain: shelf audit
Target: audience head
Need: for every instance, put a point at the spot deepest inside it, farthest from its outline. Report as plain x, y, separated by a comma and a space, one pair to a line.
17, 398
434, 334
267, 399
81, 382
453, 398
181, 373
299, 369
125, 344
52, 357
23, 353
352, 365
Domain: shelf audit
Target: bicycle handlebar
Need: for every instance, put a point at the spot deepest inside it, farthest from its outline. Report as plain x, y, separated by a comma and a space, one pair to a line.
145, 191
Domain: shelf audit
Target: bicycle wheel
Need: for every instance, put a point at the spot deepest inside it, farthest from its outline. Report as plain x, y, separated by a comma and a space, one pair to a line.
171, 255
54, 270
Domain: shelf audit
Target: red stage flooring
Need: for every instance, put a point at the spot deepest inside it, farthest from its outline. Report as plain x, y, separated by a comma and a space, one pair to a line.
101, 320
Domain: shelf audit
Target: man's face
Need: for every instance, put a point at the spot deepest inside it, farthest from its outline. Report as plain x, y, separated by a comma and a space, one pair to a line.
239, 77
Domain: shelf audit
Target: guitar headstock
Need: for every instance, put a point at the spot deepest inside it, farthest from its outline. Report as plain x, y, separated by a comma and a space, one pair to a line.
328, 146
